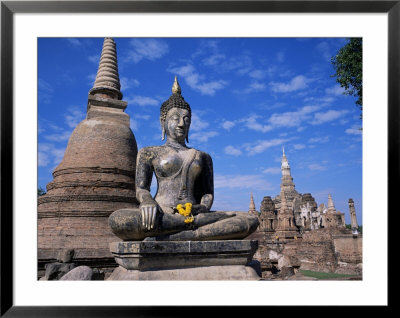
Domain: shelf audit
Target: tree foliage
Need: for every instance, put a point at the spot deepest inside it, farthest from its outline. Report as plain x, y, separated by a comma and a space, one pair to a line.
40, 191
348, 66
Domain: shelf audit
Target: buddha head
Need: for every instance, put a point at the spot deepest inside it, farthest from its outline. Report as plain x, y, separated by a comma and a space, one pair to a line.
175, 116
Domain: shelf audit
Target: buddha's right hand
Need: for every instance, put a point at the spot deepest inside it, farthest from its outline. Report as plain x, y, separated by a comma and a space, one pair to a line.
148, 212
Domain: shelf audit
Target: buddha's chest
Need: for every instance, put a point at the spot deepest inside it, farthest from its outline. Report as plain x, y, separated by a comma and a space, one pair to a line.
173, 164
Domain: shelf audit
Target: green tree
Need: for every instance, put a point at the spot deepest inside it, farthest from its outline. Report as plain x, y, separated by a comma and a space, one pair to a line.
348, 67
40, 191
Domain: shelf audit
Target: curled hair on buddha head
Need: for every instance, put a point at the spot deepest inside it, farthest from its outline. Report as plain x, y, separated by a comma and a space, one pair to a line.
175, 101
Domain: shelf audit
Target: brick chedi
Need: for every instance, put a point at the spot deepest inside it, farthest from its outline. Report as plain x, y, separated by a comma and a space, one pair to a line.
287, 185
331, 217
95, 177
252, 206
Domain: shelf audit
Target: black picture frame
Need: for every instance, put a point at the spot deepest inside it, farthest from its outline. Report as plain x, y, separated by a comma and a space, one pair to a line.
8, 8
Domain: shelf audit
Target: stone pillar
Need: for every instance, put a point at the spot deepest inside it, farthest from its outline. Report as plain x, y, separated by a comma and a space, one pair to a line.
353, 218
95, 177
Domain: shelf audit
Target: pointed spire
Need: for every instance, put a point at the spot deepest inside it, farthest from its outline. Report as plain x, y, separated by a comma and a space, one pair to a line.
107, 79
331, 206
285, 163
252, 205
176, 89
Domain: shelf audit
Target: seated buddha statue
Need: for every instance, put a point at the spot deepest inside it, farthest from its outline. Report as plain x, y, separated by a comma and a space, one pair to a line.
181, 208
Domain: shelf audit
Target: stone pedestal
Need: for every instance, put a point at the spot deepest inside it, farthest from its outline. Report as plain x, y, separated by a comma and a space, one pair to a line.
184, 260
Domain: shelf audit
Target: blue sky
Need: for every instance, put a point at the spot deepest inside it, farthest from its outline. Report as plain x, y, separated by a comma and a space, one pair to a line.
249, 98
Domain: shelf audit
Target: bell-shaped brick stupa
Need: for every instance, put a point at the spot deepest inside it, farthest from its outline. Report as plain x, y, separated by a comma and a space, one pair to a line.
95, 177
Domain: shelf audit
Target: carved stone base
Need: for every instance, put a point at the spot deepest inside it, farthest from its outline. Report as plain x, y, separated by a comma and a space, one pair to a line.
184, 260
228, 272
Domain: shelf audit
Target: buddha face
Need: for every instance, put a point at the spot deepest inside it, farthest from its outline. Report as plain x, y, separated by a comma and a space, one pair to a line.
177, 123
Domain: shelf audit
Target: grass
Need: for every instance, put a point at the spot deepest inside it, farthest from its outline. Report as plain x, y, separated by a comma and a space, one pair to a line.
322, 275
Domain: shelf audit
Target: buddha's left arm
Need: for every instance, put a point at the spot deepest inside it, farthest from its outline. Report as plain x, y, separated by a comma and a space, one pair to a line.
207, 182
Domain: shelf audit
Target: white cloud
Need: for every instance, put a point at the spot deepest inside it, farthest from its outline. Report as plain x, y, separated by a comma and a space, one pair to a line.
128, 83
94, 58
230, 150
336, 90
322, 101
43, 159
48, 153
355, 130
253, 182
45, 91
134, 124
150, 49
145, 117
45, 86
251, 123
280, 56
323, 117
324, 48
292, 119
210, 88
197, 123
273, 170
91, 78
316, 166
213, 59
143, 101
252, 88
74, 42
297, 83
319, 140
240, 64
74, 116
299, 146
196, 81
59, 137
262, 145
257, 74
228, 125
202, 136
299, 118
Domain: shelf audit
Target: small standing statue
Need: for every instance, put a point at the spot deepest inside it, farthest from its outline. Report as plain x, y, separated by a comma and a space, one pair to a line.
181, 209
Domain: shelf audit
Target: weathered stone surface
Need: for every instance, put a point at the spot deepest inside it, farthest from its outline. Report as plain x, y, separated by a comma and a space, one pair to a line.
79, 273
65, 255
227, 272
179, 254
55, 271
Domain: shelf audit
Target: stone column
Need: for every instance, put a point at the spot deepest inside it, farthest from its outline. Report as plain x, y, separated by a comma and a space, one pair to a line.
353, 218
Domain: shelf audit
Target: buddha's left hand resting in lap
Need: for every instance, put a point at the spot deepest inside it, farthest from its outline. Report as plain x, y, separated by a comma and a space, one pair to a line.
181, 209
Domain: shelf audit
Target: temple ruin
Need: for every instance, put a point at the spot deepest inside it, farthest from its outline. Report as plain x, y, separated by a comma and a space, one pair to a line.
292, 212
295, 232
